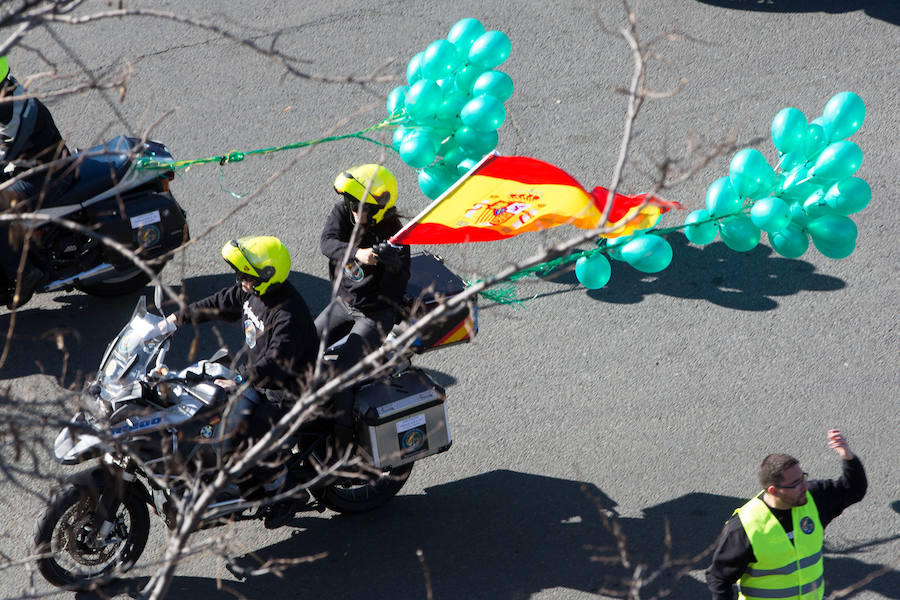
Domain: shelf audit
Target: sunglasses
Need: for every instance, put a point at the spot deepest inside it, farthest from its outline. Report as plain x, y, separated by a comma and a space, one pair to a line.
796, 484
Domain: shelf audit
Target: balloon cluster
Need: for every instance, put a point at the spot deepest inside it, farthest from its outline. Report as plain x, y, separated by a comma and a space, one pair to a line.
808, 195
451, 109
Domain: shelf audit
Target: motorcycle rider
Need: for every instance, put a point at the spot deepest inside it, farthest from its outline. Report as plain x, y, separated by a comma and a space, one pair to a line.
281, 341
374, 281
28, 138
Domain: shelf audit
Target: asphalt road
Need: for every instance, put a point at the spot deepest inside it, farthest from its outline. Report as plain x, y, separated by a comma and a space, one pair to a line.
655, 397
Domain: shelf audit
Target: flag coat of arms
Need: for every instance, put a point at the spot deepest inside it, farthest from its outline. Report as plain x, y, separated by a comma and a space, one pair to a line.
504, 196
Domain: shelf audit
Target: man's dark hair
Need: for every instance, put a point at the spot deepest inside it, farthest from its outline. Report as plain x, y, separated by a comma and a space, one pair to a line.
773, 467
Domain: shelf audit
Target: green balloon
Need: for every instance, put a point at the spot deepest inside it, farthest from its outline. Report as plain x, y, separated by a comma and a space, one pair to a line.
791, 161
816, 140
722, 199
436, 179
423, 99
699, 229
450, 108
464, 32
419, 148
750, 174
739, 233
593, 272
396, 100
815, 205
466, 77
484, 113
836, 251
494, 83
798, 215
838, 161
790, 242
414, 68
770, 214
440, 60
849, 196
475, 141
833, 235
647, 253
466, 165
789, 130
399, 134
843, 115
490, 49
792, 189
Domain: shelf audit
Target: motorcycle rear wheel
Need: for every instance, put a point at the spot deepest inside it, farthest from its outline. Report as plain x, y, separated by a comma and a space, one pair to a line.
348, 496
118, 284
74, 559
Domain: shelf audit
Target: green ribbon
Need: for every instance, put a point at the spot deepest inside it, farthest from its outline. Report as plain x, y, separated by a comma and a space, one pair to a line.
151, 163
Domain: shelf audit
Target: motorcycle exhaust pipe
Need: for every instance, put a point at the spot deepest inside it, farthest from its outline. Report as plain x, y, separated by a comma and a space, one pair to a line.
69, 281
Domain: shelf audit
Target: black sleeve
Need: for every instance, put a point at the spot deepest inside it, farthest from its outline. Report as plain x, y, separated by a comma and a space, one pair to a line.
832, 496
393, 284
730, 559
225, 305
275, 369
335, 234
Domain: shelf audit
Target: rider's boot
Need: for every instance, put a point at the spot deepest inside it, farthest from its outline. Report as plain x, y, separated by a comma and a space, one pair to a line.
281, 513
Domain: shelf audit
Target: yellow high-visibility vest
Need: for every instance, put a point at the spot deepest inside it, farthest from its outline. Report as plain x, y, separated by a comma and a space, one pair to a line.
782, 570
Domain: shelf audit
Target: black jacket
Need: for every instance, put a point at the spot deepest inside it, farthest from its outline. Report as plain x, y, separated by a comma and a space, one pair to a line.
278, 330
733, 552
363, 286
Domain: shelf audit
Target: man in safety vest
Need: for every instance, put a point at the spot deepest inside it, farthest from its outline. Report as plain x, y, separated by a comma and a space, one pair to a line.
772, 546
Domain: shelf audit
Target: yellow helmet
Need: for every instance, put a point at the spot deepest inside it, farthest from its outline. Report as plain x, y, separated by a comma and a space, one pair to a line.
382, 185
262, 259
4, 68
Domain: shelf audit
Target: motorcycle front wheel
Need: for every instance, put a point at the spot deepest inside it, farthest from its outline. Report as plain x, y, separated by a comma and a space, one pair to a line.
73, 554
352, 496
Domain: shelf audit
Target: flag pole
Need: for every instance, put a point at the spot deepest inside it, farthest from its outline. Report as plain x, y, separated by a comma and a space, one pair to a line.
440, 198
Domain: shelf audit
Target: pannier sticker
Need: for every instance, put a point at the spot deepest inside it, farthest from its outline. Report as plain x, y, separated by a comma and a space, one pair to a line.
410, 422
145, 219
412, 435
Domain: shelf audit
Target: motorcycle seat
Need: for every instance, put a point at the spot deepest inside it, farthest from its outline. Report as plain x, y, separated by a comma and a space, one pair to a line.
100, 168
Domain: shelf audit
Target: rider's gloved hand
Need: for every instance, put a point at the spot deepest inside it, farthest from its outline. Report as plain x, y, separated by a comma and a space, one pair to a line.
167, 325
389, 255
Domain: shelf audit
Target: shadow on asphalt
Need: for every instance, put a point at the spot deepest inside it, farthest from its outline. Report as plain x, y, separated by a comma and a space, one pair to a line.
500, 535
885, 10
738, 280
503, 534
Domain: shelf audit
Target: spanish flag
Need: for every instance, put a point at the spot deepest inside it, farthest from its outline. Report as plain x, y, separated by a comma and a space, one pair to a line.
504, 196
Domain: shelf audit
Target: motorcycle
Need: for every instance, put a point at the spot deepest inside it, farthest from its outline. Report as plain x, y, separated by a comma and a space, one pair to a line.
112, 196
97, 524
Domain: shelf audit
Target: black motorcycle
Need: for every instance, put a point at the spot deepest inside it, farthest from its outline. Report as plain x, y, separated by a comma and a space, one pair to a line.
157, 431
111, 195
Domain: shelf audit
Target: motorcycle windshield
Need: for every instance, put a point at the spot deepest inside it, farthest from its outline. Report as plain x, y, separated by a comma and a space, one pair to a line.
130, 354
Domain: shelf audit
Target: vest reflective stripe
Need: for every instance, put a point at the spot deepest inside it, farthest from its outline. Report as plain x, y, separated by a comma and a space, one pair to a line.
782, 569
782, 593
788, 569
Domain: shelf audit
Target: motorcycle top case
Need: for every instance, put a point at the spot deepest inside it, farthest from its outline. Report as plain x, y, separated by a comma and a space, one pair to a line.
402, 419
430, 282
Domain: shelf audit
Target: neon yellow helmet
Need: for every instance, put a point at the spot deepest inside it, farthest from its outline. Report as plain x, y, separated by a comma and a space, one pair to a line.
4, 68
262, 259
382, 185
